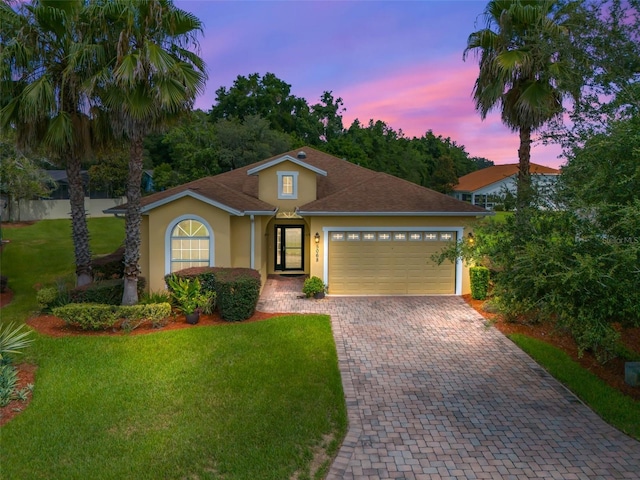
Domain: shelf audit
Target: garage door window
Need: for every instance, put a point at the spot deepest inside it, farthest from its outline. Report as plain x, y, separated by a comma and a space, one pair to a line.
384, 236
445, 237
415, 236
369, 237
353, 237
431, 237
399, 236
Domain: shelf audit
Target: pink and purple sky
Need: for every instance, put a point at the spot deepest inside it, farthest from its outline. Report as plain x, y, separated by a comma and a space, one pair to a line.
395, 61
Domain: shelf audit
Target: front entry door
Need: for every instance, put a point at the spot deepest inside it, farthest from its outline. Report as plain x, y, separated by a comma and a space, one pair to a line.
289, 247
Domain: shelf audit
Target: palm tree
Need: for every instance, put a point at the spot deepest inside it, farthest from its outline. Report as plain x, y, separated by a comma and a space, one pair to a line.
521, 70
155, 77
47, 56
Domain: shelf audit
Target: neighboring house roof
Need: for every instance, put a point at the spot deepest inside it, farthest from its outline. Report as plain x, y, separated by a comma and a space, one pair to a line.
60, 176
343, 188
487, 176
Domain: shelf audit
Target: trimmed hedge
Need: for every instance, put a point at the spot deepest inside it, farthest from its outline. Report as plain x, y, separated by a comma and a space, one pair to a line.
94, 316
237, 289
479, 277
107, 291
88, 316
109, 266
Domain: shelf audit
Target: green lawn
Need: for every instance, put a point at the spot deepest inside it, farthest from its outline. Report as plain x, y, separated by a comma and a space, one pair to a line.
43, 253
617, 409
239, 401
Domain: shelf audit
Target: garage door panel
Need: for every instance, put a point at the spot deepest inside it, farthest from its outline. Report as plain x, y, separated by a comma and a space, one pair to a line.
389, 267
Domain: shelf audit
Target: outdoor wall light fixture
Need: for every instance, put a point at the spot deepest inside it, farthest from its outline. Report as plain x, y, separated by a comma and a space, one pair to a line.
317, 239
471, 239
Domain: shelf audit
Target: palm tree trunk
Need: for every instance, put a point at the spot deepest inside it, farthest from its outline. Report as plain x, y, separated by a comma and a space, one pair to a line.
132, 223
523, 199
79, 228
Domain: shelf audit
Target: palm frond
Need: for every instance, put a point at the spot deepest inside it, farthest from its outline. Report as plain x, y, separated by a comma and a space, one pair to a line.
38, 98
13, 339
59, 136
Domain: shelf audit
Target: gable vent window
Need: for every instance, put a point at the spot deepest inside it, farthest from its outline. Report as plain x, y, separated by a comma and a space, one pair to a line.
287, 185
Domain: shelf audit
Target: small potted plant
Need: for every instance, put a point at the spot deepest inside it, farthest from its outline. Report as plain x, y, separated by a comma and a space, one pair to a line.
313, 287
189, 297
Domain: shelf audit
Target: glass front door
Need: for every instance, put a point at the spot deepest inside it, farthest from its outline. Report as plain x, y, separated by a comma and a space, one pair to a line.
289, 247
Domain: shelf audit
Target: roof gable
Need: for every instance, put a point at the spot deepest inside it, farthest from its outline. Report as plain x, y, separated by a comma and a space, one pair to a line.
285, 158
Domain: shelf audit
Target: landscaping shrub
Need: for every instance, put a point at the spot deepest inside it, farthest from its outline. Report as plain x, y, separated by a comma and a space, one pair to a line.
312, 286
162, 296
107, 291
8, 382
93, 316
46, 297
479, 282
237, 290
88, 316
13, 339
109, 266
135, 315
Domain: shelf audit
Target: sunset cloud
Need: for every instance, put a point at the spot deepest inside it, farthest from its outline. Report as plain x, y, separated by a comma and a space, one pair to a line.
399, 62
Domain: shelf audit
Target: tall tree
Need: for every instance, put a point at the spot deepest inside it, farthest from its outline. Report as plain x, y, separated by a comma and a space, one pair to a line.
155, 78
522, 71
47, 58
271, 98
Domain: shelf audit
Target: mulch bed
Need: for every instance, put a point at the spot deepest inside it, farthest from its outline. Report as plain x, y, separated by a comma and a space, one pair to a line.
56, 327
6, 297
611, 372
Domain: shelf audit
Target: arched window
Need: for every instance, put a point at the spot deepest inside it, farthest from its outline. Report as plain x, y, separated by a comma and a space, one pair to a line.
190, 245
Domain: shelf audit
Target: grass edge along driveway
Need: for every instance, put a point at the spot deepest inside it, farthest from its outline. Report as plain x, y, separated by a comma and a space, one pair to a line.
240, 401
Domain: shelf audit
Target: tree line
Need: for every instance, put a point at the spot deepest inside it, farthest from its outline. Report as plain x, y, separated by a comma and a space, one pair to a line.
258, 117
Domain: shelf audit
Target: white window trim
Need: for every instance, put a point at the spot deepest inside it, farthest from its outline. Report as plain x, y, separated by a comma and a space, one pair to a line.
167, 240
294, 195
459, 231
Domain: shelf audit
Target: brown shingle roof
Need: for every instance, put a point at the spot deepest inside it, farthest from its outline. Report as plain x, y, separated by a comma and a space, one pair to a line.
385, 194
481, 178
347, 188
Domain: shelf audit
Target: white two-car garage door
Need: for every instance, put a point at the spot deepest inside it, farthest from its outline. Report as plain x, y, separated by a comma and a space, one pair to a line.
389, 263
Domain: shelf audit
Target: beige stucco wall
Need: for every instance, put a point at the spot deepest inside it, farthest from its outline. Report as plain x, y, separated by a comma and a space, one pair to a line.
268, 186
231, 237
163, 217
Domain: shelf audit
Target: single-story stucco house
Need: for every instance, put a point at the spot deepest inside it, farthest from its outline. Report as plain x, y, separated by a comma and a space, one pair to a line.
487, 186
307, 212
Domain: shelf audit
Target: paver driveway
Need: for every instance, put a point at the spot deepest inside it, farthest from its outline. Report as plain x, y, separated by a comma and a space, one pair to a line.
433, 393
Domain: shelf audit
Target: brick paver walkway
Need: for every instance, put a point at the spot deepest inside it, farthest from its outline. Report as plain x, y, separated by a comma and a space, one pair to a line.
433, 393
